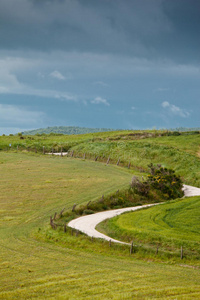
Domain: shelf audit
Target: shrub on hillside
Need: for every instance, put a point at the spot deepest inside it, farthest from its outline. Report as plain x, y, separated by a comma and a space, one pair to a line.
161, 184
163, 180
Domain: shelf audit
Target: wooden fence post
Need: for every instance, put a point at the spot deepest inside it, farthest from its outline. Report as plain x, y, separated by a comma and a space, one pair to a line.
131, 249
72, 154
61, 212
129, 164
118, 162
181, 252
73, 208
108, 160
61, 152
65, 227
88, 204
43, 150
84, 156
54, 216
51, 223
96, 158
157, 250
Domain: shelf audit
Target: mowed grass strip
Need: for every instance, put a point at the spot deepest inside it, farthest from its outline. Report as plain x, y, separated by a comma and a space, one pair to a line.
32, 189
170, 225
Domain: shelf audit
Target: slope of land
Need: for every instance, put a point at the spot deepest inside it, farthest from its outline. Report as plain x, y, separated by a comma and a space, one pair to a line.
38, 262
87, 224
134, 148
65, 130
169, 226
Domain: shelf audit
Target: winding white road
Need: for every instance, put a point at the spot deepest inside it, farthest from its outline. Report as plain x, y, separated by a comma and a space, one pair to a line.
87, 224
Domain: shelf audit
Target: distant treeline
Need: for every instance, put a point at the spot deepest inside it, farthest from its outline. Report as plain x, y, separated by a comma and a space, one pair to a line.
65, 130
70, 130
184, 129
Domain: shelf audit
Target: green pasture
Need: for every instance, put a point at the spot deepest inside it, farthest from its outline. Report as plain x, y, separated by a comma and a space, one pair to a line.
139, 148
169, 226
37, 262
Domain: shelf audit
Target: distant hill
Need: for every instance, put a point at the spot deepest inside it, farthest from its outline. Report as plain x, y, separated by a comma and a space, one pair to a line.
185, 129
83, 130
65, 130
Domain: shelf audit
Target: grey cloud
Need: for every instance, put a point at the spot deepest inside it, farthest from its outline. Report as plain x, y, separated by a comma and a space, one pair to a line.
147, 28
10, 114
90, 67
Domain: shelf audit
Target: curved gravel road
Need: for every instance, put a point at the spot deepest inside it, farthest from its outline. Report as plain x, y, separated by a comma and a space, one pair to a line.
87, 224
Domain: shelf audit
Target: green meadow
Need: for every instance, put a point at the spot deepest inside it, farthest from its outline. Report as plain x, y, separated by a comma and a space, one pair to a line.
37, 262
169, 226
139, 148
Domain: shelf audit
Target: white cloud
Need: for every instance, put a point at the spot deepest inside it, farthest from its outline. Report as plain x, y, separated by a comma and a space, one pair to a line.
175, 109
99, 100
57, 75
133, 107
11, 114
165, 104
10, 83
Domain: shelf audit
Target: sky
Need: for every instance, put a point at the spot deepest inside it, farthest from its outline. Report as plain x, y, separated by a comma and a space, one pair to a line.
121, 64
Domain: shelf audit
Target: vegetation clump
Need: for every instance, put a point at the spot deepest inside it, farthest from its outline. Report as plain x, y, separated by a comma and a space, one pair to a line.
161, 180
161, 184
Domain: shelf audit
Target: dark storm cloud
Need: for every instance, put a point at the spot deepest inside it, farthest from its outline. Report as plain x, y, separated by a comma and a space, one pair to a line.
162, 29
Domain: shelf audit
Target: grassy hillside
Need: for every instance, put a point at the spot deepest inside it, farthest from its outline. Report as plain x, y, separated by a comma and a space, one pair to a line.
39, 263
65, 130
139, 148
169, 226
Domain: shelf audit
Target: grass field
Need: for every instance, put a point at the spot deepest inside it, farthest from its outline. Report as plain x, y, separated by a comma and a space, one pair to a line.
37, 262
170, 226
182, 153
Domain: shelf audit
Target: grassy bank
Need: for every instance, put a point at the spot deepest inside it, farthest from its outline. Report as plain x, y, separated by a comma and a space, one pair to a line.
37, 262
134, 148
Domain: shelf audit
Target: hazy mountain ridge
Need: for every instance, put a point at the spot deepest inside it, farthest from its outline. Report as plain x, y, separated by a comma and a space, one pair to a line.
184, 129
65, 130
83, 130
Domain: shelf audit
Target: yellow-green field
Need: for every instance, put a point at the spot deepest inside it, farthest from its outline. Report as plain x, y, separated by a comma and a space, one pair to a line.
32, 188
169, 226
181, 153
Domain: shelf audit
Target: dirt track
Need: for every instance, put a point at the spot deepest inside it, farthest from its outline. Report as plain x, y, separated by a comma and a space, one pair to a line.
87, 224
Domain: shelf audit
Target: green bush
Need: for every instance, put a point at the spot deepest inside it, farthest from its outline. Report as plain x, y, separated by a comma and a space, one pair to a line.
161, 180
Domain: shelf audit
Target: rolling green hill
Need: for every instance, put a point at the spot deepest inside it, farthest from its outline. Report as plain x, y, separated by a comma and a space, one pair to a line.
83, 130
37, 262
138, 148
65, 130
169, 226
